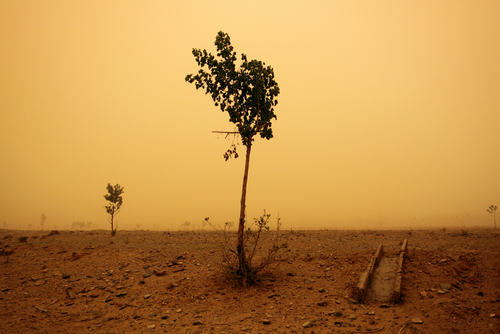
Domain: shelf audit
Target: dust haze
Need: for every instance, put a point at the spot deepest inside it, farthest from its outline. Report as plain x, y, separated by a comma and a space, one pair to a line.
388, 115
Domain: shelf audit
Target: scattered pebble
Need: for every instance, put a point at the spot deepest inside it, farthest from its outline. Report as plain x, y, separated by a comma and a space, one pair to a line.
417, 321
147, 296
307, 324
266, 322
151, 326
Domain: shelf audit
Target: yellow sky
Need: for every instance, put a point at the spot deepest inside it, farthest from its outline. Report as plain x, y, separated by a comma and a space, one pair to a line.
389, 113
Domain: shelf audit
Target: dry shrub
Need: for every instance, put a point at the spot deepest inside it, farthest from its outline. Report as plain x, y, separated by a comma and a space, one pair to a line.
262, 247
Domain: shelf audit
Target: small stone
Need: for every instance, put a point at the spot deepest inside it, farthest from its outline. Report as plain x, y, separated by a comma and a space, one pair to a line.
163, 323
337, 301
121, 294
321, 290
417, 321
352, 301
307, 324
179, 310
445, 287
161, 273
371, 313
147, 296
151, 326
323, 303
423, 294
197, 323
441, 292
65, 276
266, 322
384, 306
336, 313
147, 274
493, 315
353, 317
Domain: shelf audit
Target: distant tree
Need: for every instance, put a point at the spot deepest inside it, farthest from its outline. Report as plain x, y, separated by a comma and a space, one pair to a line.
493, 209
186, 225
114, 197
248, 93
43, 218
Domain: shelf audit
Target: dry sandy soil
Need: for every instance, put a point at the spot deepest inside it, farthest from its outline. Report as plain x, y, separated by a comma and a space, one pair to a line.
146, 282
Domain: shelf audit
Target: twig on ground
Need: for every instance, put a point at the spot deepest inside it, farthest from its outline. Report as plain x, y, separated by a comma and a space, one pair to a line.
372, 331
232, 322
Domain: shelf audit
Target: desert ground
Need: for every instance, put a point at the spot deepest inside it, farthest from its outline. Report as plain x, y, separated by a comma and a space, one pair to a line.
174, 282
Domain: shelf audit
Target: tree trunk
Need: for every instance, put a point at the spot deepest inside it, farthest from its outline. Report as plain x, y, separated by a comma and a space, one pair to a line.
243, 265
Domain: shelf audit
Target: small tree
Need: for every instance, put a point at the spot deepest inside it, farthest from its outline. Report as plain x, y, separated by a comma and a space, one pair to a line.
42, 220
248, 93
114, 197
493, 209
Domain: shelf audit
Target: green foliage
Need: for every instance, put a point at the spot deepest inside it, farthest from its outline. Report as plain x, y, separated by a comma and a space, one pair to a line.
114, 197
248, 92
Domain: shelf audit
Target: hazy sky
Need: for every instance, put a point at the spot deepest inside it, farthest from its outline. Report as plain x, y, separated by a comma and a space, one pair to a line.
389, 113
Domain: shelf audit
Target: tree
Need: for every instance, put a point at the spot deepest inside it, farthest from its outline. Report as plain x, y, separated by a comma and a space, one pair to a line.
492, 209
248, 93
114, 197
43, 218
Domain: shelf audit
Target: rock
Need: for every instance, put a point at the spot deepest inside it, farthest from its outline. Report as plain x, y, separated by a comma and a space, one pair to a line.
417, 321
441, 292
121, 294
384, 306
352, 300
65, 276
371, 313
151, 326
445, 287
197, 323
161, 273
266, 322
423, 294
163, 323
307, 324
321, 290
493, 315
353, 317
179, 310
147, 274
336, 313
323, 303
147, 296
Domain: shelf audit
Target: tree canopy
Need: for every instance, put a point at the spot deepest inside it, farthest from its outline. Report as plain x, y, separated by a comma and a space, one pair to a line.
248, 93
